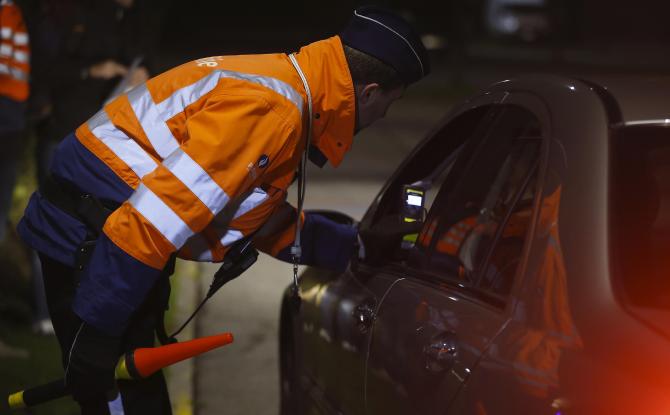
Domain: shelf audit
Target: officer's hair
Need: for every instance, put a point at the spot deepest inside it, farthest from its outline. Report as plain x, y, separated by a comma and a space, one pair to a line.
366, 69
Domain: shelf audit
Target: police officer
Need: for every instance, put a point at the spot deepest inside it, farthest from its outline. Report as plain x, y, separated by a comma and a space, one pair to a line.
189, 164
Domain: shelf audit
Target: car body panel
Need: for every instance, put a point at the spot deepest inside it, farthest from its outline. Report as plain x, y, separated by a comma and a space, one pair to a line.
402, 377
429, 311
563, 343
334, 348
587, 367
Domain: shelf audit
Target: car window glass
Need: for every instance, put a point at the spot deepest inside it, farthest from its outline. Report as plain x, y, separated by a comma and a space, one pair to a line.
429, 166
491, 201
497, 275
432, 161
640, 215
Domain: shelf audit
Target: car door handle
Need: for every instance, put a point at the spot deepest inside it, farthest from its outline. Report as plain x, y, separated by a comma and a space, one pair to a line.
364, 315
441, 353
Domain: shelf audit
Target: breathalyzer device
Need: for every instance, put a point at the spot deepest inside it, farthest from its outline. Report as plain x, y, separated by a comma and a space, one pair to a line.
412, 210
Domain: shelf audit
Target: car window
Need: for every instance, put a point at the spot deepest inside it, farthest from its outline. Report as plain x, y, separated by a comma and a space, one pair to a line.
433, 160
476, 230
639, 215
500, 265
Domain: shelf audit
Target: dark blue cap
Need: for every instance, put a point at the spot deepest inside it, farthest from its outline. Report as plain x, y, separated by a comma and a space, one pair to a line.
389, 38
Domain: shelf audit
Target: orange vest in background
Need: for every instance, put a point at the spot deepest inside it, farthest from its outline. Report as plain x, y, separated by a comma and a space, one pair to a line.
14, 53
552, 328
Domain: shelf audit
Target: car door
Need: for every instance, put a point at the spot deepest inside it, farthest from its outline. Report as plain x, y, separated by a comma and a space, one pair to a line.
338, 310
451, 295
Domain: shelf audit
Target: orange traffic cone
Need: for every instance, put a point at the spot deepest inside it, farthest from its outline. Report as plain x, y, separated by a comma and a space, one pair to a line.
141, 363
137, 364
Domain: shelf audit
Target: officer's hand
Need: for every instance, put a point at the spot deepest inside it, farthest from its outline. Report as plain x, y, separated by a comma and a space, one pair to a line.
107, 70
380, 241
89, 373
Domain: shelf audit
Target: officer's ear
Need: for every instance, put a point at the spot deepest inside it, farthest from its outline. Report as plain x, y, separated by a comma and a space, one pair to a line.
367, 93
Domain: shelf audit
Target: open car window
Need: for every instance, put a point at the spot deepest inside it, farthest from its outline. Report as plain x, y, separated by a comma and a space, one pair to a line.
433, 161
475, 232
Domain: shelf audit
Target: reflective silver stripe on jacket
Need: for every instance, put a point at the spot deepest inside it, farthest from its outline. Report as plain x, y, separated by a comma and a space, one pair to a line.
20, 39
189, 94
164, 219
197, 179
121, 145
19, 74
153, 118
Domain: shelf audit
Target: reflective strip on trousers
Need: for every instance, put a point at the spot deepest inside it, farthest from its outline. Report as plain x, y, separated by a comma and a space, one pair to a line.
116, 406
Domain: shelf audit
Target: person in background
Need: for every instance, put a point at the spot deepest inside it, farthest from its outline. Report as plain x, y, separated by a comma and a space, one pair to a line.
14, 92
86, 48
15, 69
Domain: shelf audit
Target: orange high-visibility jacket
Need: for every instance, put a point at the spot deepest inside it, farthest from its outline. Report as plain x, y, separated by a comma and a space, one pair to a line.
14, 53
204, 153
213, 133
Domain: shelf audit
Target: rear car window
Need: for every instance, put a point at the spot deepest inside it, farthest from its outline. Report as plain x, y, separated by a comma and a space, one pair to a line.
640, 215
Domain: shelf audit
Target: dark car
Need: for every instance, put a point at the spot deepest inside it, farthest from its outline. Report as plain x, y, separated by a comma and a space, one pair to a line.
539, 283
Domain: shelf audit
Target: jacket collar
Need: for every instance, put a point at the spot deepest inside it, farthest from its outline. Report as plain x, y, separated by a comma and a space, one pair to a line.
333, 97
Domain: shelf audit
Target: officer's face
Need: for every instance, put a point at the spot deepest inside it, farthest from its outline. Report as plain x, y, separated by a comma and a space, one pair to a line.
373, 102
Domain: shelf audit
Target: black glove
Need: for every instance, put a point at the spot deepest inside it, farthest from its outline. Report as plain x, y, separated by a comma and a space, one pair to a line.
381, 241
89, 373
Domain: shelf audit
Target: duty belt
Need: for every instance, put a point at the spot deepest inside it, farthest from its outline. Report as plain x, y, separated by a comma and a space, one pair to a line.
83, 206
94, 213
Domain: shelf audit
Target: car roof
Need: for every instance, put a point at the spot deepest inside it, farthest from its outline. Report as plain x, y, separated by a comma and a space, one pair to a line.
642, 99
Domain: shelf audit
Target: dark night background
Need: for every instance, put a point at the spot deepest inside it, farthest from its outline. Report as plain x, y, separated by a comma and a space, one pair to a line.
582, 39
590, 28
217, 27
